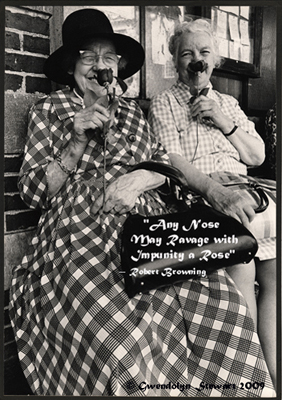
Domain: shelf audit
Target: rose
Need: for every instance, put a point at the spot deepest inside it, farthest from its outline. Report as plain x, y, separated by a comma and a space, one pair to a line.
198, 66
105, 76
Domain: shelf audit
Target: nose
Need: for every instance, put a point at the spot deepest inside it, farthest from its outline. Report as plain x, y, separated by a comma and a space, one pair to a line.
99, 63
196, 56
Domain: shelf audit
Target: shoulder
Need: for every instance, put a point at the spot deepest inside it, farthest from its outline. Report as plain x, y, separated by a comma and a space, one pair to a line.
62, 94
42, 103
130, 106
58, 105
225, 98
127, 103
165, 93
45, 103
163, 97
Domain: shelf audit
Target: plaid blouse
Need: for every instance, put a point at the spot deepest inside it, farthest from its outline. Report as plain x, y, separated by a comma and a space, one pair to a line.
202, 144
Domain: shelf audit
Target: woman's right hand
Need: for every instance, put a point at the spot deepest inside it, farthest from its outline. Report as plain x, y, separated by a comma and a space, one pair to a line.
232, 203
221, 198
88, 118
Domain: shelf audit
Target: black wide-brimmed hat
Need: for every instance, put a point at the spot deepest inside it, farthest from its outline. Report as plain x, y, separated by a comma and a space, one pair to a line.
78, 28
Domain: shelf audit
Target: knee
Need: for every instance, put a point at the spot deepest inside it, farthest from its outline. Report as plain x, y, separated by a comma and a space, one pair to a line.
266, 274
243, 272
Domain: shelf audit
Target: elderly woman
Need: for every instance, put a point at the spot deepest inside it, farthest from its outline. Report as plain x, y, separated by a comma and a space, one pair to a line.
206, 132
77, 331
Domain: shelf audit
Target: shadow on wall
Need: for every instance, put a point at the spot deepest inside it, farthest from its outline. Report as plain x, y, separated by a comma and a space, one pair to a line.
27, 46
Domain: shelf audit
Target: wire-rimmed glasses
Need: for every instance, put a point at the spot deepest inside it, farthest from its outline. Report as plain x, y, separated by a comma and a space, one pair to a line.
91, 58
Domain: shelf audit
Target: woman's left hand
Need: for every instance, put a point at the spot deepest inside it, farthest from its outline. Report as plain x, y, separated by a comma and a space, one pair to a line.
250, 148
204, 107
121, 195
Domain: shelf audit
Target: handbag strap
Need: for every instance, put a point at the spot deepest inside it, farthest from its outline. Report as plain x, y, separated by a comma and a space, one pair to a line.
173, 173
263, 199
176, 177
179, 179
165, 169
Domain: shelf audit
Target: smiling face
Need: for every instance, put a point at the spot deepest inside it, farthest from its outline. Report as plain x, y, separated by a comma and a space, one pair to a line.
195, 46
86, 75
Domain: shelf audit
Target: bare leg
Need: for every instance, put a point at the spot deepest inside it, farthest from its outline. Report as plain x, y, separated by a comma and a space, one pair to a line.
244, 277
266, 277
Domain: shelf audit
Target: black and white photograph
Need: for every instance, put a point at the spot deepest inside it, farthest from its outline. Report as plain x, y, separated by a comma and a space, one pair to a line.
141, 162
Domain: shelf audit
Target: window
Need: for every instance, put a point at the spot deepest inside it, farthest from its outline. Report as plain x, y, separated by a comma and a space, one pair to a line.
159, 25
232, 27
239, 29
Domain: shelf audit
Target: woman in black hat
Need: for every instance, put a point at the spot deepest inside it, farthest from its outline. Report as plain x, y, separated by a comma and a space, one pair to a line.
77, 331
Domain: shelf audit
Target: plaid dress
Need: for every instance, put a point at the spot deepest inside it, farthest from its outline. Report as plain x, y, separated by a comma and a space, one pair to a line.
77, 331
203, 144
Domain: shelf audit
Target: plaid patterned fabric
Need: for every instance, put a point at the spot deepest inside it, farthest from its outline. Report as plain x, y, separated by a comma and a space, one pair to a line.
77, 331
202, 144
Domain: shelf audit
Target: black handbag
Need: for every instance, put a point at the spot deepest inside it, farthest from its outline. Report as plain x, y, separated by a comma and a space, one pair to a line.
191, 242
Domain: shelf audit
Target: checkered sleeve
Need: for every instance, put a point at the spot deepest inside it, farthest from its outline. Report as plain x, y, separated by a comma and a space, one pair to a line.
162, 122
37, 154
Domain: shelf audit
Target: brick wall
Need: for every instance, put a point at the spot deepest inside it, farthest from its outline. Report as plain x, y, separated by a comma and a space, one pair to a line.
27, 47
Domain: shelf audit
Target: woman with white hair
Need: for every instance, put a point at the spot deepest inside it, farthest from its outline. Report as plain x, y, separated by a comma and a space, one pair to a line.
206, 133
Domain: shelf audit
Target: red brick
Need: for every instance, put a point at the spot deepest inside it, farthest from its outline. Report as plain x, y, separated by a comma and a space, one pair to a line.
14, 202
6, 313
12, 163
11, 184
36, 44
27, 23
42, 85
13, 82
22, 220
6, 297
10, 350
12, 41
18, 62
8, 334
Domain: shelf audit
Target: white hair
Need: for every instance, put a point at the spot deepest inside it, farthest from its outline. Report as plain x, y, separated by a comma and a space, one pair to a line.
198, 25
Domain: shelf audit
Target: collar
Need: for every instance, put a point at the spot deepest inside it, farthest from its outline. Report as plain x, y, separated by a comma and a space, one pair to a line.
182, 93
64, 106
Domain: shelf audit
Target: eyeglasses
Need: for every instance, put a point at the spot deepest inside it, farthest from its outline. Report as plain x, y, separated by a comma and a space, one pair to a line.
91, 58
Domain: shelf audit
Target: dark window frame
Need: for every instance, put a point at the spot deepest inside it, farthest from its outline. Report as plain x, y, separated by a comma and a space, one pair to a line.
245, 70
